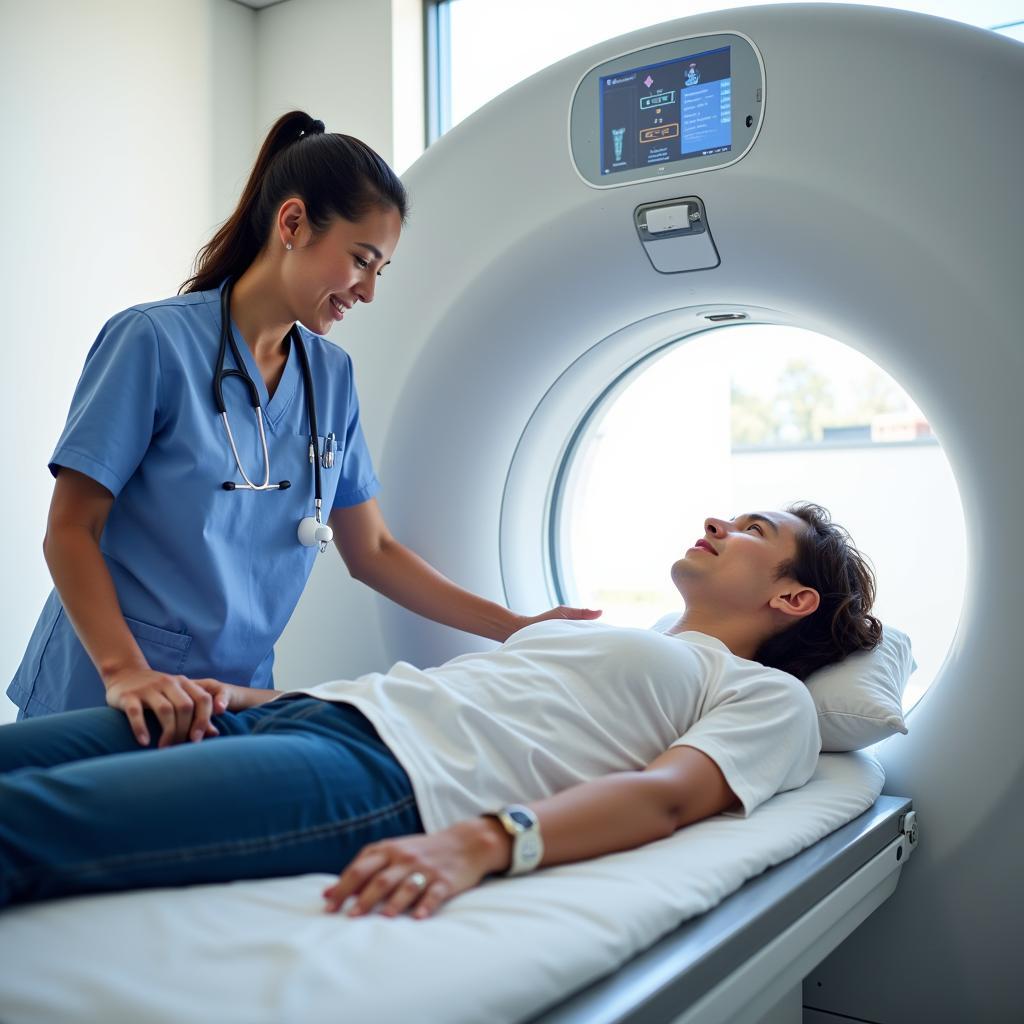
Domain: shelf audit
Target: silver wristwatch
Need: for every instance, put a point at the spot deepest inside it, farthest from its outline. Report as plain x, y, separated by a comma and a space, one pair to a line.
524, 828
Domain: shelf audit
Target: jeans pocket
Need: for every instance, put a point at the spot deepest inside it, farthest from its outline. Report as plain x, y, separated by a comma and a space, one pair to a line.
165, 650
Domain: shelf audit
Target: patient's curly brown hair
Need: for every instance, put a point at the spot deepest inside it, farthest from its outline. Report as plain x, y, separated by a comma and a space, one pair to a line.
827, 560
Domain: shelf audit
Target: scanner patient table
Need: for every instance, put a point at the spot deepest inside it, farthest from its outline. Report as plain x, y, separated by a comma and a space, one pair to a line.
630, 936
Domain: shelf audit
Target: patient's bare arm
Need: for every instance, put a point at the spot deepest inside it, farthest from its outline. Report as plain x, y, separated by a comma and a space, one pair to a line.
617, 812
628, 809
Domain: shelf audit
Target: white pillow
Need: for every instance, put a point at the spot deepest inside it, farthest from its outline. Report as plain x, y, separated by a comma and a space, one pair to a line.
859, 699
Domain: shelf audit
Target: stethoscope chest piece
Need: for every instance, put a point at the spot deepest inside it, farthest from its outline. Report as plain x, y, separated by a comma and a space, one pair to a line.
312, 532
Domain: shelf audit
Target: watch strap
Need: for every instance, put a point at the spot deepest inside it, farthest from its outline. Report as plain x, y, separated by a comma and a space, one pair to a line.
522, 826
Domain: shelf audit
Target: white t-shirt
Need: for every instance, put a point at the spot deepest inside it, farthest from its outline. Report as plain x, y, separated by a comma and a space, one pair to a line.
563, 702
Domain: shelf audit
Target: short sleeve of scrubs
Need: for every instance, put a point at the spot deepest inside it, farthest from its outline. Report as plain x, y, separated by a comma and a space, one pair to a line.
115, 406
358, 482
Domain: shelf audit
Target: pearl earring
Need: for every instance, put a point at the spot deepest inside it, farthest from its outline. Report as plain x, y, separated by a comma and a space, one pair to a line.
288, 246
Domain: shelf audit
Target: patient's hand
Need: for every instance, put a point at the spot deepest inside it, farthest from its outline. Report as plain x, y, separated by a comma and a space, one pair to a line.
448, 862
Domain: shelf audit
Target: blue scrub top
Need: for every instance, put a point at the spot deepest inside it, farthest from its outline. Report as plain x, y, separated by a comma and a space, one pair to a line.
206, 578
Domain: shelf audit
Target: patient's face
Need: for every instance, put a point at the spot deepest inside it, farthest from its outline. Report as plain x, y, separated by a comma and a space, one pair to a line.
733, 565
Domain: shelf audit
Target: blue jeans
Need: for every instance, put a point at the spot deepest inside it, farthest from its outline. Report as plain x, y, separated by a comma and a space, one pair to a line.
293, 786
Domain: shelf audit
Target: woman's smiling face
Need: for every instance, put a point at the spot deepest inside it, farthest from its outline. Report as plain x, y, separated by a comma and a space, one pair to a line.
326, 275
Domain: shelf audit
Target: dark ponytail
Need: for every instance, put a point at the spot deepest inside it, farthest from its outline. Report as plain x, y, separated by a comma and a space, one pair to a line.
334, 175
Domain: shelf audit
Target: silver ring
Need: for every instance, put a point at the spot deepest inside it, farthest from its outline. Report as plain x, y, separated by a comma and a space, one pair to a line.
418, 879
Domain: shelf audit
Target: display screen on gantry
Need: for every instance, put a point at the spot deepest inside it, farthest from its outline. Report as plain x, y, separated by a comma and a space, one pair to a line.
666, 112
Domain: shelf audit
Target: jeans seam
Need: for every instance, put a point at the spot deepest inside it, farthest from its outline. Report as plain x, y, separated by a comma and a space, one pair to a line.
241, 846
299, 716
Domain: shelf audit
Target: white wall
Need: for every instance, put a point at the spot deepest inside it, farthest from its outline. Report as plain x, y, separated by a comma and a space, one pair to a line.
370, 85
363, 76
128, 132
122, 145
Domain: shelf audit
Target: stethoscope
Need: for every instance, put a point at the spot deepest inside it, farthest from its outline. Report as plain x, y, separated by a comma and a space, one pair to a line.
312, 530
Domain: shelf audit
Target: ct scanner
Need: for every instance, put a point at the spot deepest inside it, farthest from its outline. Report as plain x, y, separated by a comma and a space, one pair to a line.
870, 191
876, 198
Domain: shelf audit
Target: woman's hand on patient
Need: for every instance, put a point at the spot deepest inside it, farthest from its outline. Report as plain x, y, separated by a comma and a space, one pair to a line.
182, 706
451, 861
563, 611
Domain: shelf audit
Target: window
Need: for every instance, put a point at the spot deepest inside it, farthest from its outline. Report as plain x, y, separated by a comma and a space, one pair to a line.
755, 417
479, 48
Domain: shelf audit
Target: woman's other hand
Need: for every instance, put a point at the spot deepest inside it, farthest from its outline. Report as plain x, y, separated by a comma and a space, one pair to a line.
182, 706
418, 873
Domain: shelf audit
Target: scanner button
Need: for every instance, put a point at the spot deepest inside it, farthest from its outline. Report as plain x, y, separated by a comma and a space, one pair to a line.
668, 218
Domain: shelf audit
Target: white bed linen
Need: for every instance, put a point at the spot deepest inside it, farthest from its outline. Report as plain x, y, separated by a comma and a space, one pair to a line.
255, 952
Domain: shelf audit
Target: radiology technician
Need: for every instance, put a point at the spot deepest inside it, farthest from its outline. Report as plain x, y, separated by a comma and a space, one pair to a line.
213, 448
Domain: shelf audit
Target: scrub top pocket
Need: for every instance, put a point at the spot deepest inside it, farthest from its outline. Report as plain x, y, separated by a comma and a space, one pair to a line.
321, 440
165, 651
328, 477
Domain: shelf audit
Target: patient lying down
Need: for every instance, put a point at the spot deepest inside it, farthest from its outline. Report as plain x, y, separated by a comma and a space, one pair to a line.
570, 740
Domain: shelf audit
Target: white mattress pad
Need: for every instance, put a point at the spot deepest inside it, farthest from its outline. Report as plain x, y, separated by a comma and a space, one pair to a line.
258, 952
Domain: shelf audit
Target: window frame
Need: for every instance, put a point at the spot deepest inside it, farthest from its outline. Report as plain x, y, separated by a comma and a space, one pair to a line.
437, 65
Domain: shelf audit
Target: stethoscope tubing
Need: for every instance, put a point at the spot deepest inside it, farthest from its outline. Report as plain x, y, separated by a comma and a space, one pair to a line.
220, 374
249, 485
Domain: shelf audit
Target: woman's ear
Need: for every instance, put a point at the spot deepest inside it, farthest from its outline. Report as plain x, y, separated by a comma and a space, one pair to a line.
290, 218
798, 601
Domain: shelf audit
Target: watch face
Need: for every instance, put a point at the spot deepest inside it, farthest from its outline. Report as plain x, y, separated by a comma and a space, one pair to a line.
521, 818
